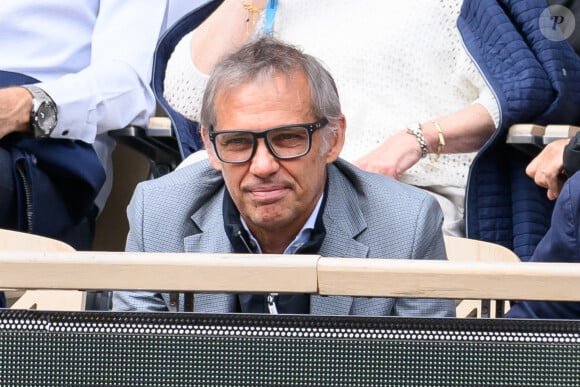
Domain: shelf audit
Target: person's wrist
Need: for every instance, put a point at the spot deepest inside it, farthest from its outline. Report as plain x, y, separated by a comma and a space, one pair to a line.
257, 3
261, 4
415, 129
18, 104
253, 9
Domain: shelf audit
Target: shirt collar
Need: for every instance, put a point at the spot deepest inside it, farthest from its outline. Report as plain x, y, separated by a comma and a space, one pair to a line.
303, 235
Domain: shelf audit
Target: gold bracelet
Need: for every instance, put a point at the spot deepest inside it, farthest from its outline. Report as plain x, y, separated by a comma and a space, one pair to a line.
253, 11
441, 143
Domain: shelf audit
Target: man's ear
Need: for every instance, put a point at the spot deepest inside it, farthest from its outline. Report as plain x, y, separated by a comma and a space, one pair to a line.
210, 151
336, 142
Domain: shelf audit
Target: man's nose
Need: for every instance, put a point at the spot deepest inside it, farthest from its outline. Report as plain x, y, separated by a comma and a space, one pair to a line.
263, 163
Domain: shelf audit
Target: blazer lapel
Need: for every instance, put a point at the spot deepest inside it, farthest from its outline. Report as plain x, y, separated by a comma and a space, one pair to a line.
344, 221
210, 238
209, 223
343, 218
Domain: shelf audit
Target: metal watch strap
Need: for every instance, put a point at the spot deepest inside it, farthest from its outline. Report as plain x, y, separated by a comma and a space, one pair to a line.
39, 97
416, 130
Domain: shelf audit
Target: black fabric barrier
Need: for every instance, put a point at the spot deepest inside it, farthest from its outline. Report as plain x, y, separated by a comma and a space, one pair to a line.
163, 349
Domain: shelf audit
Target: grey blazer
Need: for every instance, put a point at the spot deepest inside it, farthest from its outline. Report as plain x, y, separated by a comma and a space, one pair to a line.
366, 215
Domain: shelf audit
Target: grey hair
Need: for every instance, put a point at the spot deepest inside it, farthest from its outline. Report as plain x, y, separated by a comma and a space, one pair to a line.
262, 58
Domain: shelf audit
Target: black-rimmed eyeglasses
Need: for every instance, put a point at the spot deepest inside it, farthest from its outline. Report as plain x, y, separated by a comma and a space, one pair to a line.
283, 142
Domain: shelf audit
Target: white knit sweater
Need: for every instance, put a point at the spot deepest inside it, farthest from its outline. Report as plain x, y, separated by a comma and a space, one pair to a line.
393, 62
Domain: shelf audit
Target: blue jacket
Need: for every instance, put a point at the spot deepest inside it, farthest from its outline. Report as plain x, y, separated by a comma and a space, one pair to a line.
534, 80
560, 244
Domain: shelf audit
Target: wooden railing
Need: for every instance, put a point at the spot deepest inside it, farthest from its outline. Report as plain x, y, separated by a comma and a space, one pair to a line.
283, 273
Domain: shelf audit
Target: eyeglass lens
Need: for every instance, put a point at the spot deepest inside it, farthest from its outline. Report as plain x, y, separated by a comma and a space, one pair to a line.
287, 142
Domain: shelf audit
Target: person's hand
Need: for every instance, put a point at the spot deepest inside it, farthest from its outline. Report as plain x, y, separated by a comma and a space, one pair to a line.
547, 168
15, 106
393, 157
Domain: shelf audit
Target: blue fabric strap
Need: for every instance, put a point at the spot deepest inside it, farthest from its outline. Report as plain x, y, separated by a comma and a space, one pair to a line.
270, 16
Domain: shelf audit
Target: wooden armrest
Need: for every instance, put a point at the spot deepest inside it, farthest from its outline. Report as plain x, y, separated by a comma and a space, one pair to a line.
559, 132
156, 142
539, 135
73, 300
21, 241
472, 250
157, 127
526, 134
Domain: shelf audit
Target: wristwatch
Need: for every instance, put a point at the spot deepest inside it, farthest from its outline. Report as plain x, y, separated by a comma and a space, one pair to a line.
43, 115
415, 129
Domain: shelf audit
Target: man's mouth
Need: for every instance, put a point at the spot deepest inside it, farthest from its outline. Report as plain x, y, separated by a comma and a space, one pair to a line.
268, 194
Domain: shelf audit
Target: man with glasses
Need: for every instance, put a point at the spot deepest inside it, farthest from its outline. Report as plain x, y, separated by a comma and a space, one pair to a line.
273, 127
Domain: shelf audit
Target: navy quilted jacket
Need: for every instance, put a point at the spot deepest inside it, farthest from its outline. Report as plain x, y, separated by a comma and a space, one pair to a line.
534, 80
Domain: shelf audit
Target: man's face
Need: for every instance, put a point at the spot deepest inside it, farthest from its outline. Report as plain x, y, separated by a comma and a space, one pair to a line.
272, 195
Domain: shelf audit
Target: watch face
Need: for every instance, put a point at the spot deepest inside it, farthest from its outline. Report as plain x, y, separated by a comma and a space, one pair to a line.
46, 117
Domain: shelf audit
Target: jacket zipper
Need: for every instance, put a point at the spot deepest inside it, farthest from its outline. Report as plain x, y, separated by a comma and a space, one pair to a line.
27, 194
270, 298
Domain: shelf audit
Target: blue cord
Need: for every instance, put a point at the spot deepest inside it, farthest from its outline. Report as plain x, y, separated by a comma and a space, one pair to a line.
270, 16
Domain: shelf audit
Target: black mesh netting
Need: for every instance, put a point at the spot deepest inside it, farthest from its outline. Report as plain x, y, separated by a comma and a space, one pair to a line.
163, 349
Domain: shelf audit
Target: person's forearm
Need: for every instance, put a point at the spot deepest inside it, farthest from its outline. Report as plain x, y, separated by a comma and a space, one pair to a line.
227, 29
463, 131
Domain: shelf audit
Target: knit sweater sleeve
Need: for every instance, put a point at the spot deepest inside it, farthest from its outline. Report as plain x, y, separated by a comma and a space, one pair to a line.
489, 102
184, 84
